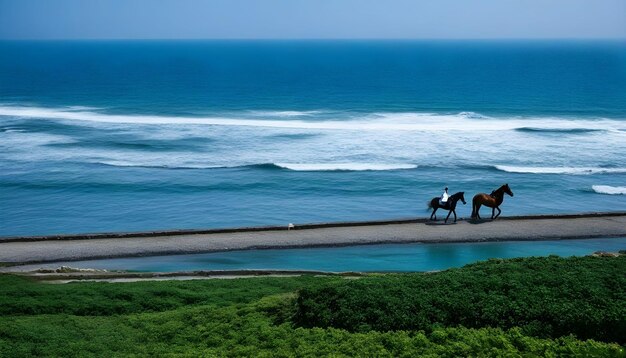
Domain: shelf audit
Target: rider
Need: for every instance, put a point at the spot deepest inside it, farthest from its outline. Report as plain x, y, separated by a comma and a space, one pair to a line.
444, 197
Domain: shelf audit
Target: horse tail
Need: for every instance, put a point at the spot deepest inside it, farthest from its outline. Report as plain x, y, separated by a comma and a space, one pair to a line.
430, 204
473, 207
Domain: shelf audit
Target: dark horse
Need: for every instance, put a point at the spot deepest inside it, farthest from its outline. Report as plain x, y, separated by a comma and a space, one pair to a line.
493, 200
450, 205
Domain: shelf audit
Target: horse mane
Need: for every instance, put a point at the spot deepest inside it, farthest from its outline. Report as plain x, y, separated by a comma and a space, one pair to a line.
457, 196
499, 191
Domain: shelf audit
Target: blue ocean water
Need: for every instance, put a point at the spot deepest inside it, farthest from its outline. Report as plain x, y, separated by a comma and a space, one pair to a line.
146, 135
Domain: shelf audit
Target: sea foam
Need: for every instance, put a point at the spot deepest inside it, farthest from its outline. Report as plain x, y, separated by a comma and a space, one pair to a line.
344, 166
559, 170
401, 121
609, 190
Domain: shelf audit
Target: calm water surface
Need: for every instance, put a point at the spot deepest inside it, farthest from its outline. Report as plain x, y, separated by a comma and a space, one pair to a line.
397, 257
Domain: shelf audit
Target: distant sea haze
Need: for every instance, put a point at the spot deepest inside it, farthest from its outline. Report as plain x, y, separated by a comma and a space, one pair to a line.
125, 136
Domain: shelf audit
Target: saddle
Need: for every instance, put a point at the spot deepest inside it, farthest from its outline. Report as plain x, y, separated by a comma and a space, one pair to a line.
445, 205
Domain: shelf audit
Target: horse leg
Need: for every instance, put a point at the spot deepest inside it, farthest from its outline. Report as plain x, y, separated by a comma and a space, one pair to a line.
433, 214
493, 212
478, 211
449, 212
499, 212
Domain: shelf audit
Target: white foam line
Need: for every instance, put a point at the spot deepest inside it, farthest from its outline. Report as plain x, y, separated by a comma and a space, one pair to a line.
343, 166
559, 170
609, 190
373, 122
120, 163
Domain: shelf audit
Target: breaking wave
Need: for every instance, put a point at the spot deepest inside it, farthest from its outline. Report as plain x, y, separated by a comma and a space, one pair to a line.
609, 190
559, 170
463, 121
344, 166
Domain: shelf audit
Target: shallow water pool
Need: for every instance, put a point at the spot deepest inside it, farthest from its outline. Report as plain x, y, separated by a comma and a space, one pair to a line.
379, 258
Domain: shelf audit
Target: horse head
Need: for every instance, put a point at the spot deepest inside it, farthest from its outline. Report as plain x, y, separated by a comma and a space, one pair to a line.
507, 190
460, 196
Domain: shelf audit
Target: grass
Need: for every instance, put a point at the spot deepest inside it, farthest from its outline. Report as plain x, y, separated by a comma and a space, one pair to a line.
239, 317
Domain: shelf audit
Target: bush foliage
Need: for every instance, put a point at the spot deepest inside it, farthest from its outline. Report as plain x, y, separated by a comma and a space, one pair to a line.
545, 297
242, 317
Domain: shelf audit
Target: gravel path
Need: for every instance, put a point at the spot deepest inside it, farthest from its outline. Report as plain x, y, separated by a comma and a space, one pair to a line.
528, 228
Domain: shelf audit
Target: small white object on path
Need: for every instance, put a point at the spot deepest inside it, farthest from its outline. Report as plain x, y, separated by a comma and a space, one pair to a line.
527, 228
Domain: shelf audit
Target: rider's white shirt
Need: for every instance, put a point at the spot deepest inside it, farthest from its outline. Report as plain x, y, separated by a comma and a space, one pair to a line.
444, 197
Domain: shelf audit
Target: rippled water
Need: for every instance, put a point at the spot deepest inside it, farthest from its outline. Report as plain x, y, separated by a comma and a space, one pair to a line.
129, 136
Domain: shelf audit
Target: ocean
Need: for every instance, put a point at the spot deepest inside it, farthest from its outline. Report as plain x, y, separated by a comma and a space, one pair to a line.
102, 136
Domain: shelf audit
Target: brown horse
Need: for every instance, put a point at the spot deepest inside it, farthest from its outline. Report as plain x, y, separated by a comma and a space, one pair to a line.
493, 200
450, 205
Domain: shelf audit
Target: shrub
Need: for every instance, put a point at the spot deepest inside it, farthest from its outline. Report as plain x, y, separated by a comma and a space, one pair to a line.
546, 297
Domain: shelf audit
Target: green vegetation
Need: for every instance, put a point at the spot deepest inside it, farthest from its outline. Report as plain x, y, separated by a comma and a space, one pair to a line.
21, 296
255, 316
545, 297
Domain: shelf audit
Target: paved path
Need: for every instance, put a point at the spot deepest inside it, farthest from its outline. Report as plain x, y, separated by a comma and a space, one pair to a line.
528, 228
